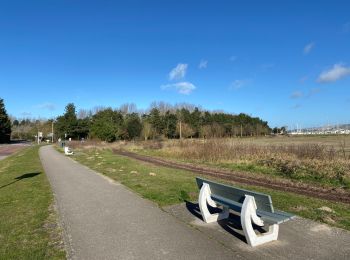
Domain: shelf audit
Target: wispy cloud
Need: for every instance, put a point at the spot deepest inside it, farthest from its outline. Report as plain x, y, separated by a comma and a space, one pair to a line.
297, 94
233, 58
337, 72
313, 92
184, 87
178, 72
239, 83
296, 106
48, 106
267, 66
308, 48
203, 64
25, 114
303, 79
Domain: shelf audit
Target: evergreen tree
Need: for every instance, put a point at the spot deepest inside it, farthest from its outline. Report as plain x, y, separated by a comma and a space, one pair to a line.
107, 125
82, 129
68, 123
133, 125
156, 121
5, 124
171, 123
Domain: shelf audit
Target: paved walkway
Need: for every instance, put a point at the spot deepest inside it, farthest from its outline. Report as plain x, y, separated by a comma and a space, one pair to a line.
298, 239
104, 220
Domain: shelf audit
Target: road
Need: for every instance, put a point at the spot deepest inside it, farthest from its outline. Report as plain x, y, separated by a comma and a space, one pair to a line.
8, 149
102, 219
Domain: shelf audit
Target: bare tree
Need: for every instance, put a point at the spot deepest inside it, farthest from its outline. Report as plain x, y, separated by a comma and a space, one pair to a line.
147, 130
186, 130
97, 109
83, 113
128, 108
162, 106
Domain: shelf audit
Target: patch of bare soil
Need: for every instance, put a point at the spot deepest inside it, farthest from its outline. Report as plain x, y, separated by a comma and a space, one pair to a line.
332, 194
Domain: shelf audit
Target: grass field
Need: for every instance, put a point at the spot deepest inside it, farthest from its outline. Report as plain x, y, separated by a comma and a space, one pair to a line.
28, 228
169, 186
319, 160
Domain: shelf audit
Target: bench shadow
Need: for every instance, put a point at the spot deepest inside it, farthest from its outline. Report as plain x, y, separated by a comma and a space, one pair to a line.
21, 177
232, 224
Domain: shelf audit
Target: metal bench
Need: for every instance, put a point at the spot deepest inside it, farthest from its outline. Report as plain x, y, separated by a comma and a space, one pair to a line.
254, 208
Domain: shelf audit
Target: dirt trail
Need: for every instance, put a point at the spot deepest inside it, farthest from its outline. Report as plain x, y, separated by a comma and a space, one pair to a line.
332, 194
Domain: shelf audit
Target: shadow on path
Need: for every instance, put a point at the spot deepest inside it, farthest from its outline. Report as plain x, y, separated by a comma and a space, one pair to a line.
23, 176
231, 225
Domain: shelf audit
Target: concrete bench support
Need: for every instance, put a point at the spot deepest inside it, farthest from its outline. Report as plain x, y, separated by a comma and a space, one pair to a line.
204, 200
67, 151
248, 217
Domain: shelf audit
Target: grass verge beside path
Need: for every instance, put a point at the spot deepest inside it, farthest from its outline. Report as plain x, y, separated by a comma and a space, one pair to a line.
167, 186
28, 227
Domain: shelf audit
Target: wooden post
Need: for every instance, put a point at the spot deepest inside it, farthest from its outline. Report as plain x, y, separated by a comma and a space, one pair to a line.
180, 131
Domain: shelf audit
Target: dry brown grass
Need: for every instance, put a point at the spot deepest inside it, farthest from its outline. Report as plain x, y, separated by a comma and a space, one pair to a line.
308, 160
318, 159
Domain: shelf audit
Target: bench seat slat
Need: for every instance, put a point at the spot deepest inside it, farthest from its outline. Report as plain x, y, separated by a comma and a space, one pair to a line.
263, 201
236, 206
277, 217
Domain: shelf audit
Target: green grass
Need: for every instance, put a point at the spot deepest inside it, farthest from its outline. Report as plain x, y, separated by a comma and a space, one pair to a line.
171, 186
27, 224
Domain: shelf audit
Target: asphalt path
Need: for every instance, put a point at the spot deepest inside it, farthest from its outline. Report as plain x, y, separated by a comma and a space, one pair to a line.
8, 149
102, 219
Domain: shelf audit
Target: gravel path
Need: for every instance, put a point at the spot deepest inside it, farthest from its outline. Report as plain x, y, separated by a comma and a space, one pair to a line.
104, 220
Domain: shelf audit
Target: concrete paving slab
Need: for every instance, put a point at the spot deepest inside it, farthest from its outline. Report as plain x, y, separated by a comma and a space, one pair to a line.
298, 239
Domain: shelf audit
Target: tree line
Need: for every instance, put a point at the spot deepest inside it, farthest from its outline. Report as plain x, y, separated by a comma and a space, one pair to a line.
161, 121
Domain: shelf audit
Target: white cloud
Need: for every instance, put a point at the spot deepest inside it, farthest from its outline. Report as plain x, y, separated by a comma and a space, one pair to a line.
337, 72
48, 106
184, 87
308, 48
178, 72
203, 64
296, 94
239, 83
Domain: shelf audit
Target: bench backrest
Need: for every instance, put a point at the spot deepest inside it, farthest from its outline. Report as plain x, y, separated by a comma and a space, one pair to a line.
263, 201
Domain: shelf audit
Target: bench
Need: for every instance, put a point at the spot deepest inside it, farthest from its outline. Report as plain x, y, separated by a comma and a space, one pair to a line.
254, 208
67, 151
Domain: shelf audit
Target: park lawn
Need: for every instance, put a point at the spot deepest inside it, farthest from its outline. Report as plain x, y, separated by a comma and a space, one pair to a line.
166, 186
28, 228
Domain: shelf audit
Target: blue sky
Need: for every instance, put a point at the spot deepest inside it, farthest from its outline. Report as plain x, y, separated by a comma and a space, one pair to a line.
286, 62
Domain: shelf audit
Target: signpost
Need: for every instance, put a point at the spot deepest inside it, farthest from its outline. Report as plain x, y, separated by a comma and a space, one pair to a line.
40, 136
52, 132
